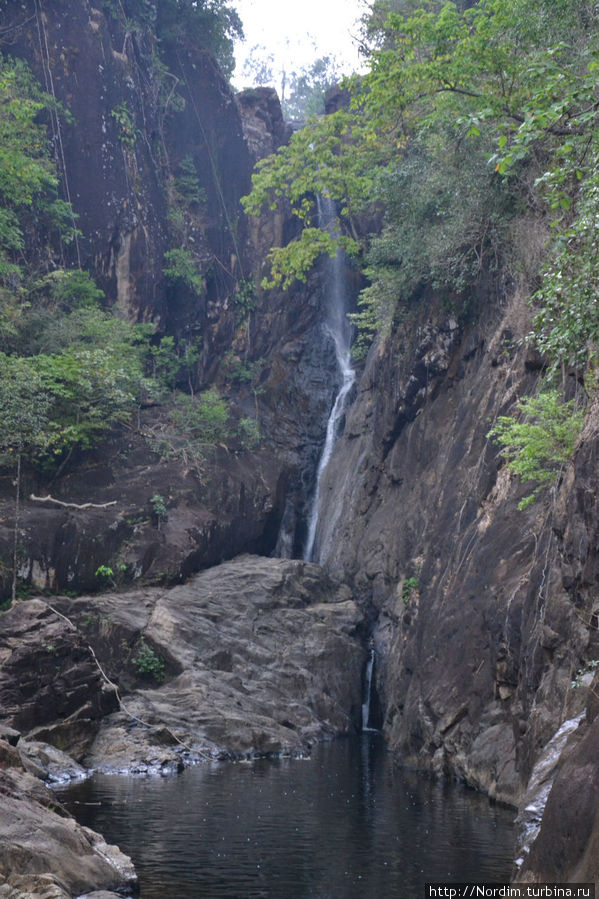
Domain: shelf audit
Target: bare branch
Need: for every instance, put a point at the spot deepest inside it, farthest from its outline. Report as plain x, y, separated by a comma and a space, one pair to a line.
50, 499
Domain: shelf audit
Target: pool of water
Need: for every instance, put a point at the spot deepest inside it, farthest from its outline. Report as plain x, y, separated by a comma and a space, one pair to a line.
345, 824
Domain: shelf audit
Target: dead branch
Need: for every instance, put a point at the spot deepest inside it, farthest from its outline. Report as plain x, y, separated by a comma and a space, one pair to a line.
59, 502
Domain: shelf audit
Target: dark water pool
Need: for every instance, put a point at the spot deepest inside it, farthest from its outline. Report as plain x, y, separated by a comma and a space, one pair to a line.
347, 824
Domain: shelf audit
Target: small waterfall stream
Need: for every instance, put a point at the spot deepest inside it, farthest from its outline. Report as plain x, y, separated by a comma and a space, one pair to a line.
368, 687
339, 330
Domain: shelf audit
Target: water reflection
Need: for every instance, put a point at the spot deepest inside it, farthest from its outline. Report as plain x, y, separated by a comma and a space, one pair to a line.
344, 825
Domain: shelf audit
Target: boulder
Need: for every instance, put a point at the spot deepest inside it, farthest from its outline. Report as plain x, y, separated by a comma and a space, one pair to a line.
43, 851
256, 656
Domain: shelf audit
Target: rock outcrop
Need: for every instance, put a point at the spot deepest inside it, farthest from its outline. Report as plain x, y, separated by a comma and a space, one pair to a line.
50, 685
43, 851
252, 657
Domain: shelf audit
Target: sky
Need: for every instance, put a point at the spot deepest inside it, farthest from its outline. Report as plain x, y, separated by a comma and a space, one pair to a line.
298, 32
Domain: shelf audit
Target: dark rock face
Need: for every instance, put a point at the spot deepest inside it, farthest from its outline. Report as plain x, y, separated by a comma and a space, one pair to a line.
130, 127
476, 632
260, 656
50, 686
566, 847
566, 850
43, 851
225, 510
263, 125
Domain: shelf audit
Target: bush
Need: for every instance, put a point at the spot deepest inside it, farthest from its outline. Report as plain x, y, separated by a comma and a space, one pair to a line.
148, 663
249, 433
539, 440
181, 267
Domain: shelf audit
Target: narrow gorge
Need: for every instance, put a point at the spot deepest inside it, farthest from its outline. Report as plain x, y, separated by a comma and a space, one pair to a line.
276, 540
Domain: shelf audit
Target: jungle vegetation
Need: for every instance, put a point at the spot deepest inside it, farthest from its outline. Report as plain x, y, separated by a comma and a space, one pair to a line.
475, 128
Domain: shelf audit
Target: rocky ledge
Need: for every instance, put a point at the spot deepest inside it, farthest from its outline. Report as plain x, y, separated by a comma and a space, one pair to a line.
255, 656
43, 851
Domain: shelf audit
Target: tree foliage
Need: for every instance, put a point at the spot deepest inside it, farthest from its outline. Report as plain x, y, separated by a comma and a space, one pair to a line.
210, 24
28, 182
539, 440
469, 112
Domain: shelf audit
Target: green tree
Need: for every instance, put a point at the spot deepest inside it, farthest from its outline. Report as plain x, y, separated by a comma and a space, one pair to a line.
28, 182
539, 439
447, 83
211, 24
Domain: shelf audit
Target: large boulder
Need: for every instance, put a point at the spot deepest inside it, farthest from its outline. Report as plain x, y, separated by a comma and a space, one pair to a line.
256, 656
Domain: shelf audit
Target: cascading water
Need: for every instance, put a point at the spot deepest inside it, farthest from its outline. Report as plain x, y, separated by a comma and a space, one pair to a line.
339, 330
368, 692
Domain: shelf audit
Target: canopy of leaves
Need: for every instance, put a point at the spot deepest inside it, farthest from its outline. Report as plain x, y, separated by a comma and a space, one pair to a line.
24, 407
211, 24
463, 107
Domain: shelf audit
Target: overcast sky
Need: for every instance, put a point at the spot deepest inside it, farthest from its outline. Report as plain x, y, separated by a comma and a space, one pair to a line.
299, 32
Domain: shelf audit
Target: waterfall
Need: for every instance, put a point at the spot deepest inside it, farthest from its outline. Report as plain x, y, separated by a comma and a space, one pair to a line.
368, 685
339, 330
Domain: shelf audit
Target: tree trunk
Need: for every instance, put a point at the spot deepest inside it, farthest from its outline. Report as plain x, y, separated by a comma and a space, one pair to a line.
16, 529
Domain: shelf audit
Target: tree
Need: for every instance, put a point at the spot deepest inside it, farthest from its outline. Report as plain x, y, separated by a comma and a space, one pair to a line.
28, 181
448, 82
539, 439
211, 24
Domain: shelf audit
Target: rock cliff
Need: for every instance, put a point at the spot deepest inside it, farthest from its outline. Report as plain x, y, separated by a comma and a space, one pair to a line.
134, 112
253, 657
482, 613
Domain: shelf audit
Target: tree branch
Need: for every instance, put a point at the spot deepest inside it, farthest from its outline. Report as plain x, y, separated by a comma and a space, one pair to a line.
50, 499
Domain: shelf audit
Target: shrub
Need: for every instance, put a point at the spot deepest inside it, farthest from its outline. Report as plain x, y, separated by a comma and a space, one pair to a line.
539, 439
409, 588
249, 433
148, 663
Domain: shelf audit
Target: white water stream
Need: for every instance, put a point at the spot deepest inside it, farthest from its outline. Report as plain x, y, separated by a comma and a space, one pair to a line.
339, 330
368, 693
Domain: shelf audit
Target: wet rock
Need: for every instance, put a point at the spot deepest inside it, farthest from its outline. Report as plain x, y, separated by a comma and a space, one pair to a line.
261, 656
475, 665
540, 784
53, 766
566, 849
43, 851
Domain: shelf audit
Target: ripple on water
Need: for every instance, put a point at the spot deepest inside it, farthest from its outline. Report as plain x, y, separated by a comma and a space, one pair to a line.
346, 824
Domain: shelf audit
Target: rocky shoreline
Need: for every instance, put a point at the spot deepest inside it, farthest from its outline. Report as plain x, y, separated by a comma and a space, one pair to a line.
255, 657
